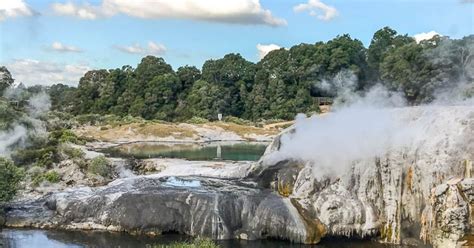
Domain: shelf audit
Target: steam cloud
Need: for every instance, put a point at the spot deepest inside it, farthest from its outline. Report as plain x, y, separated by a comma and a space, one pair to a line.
17, 136
368, 125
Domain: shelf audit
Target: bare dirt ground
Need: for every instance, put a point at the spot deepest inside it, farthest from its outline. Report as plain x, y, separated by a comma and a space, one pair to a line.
212, 131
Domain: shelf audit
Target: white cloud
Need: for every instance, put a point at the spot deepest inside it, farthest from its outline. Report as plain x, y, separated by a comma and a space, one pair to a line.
424, 36
32, 72
318, 9
263, 50
152, 49
226, 11
14, 8
59, 47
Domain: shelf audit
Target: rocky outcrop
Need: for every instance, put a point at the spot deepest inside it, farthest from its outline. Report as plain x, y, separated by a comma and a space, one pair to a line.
221, 209
448, 221
386, 196
422, 190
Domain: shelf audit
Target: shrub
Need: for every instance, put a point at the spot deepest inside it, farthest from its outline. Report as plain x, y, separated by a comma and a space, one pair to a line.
35, 171
68, 136
52, 177
197, 243
71, 152
237, 120
10, 177
89, 119
100, 166
197, 120
63, 136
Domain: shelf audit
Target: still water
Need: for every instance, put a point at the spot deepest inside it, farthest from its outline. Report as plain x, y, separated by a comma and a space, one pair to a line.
25, 238
212, 151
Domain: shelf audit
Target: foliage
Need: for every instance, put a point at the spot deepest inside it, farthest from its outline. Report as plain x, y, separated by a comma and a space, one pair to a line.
5, 79
52, 176
237, 120
37, 177
10, 177
285, 82
100, 166
71, 152
197, 243
62, 97
8, 115
44, 151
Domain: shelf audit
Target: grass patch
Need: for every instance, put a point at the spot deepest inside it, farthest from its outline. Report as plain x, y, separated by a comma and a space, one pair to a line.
197, 120
242, 130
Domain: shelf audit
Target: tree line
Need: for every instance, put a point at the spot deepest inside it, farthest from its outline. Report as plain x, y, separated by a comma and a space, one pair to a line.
285, 82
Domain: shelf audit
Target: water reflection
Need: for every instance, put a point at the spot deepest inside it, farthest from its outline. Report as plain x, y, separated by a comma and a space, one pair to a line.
21, 238
242, 151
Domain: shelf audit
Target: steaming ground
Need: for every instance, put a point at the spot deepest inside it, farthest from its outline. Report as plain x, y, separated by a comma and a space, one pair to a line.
371, 126
27, 125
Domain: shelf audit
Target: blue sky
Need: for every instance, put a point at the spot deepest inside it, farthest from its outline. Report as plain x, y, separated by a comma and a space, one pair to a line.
49, 42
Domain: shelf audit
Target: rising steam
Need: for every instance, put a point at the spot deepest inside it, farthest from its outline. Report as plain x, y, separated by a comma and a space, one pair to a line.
368, 125
27, 125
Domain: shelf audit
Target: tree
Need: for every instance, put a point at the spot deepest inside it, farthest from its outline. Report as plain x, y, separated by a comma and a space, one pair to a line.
62, 97
90, 87
204, 100
383, 41
187, 75
407, 69
5, 79
161, 97
10, 177
231, 75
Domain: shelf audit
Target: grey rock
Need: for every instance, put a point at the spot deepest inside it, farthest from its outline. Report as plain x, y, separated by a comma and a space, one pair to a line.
220, 209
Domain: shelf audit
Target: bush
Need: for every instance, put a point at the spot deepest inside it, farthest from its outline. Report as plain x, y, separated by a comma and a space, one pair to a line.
89, 119
37, 177
52, 177
197, 243
71, 152
238, 121
197, 120
100, 166
63, 136
10, 177
35, 171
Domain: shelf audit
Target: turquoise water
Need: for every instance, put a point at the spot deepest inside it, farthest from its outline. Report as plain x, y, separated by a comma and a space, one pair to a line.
24, 238
212, 151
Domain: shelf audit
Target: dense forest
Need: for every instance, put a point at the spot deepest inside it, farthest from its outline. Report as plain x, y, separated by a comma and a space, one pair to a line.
285, 82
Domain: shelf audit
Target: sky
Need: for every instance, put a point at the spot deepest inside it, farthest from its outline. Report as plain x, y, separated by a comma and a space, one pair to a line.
53, 41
